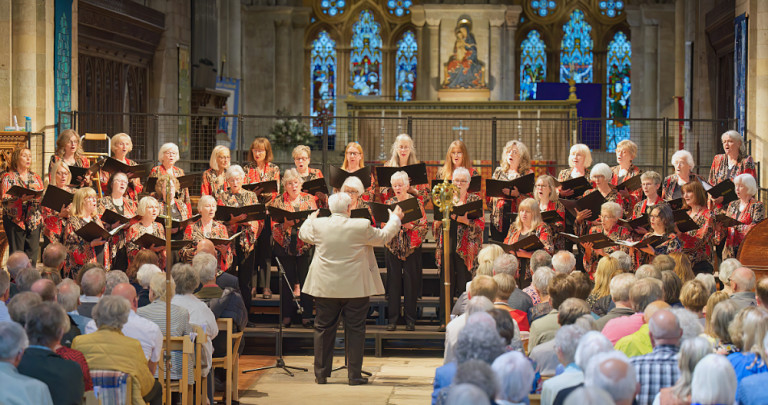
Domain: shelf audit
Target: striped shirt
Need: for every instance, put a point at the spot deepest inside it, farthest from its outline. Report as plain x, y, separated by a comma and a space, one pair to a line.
180, 326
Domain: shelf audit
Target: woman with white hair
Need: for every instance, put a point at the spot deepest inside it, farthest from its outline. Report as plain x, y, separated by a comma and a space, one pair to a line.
402, 258
404, 154
148, 209
121, 147
466, 239
746, 209
515, 163
292, 251
168, 156
724, 272
626, 152
683, 163
579, 159
79, 251
733, 162
713, 382
610, 213
244, 256
354, 188
527, 223
691, 352
601, 177
206, 228
214, 179
515, 375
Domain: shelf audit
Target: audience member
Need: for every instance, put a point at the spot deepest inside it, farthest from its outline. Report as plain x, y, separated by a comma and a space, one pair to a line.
545, 354
505, 285
691, 352
223, 279
658, 369
599, 298
565, 350
145, 256
762, 293
747, 331
725, 271
52, 275
477, 373
642, 293
625, 261
143, 276
540, 282
543, 329
591, 344
723, 315
518, 300
750, 389
55, 257
5, 292
113, 278
613, 373
462, 394
581, 283
619, 289
639, 343
507, 329
16, 388
531, 290
26, 278
68, 296
683, 267
20, 304
92, 284
671, 287
45, 288
713, 382
16, 262
648, 270
563, 262
689, 322
515, 376
663, 263
709, 309
694, 296
479, 303
540, 258
743, 285
709, 282
589, 395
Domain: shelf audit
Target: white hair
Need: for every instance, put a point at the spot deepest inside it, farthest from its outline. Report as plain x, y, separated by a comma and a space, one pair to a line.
402, 176
166, 147
714, 381
688, 321
588, 395
466, 393
541, 278
13, 340
709, 281
591, 344
339, 203
144, 202
205, 200
515, 376
734, 135
479, 304
620, 285
354, 182
234, 171
625, 262
621, 389
67, 294
747, 181
726, 269
461, 172
563, 262
145, 273
206, 266
505, 264
601, 169
565, 338
683, 154
611, 207
584, 151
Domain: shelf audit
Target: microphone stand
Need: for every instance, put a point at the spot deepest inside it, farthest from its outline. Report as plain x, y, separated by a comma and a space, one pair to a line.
345, 357
280, 363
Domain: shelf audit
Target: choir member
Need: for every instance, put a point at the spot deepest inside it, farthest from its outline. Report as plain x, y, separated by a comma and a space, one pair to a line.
746, 209
69, 150
22, 217
579, 159
354, 187
118, 201
206, 228
651, 183
121, 147
260, 168
626, 152
354, 160
610, 213
179, 210
402, 258
245, 256
683, 163
214, 179
466, 238
80, 252
545, 193
53, 221
292, 251
732, 163
698, 243
662, 223
301, 159
168, 156
148, 209
601, 177
528, 222
404, 154
515, 162
457, 156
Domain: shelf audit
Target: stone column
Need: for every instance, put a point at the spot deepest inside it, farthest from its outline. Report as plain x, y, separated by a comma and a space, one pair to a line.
639, 73
300, 20
234, 33
282, 61
496, 77
422, 41
433, 28
24, 60
6, 72
512, 18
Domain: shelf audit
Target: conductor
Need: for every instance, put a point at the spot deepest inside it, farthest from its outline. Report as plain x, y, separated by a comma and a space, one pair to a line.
342, 277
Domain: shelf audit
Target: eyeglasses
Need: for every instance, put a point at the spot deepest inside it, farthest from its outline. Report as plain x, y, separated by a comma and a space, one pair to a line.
353, 153
460, 181
404, 147
91, 199
301, 159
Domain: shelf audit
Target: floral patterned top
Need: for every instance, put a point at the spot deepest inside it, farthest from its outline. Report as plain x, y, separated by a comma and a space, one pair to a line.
179, 210
368, 194
557, 226
645, 206
27, 215
283, 235
670, 245
82, 162
613, 195
252, 229
79, 251
670, 186
633, 171
469, 238
617, 232
134, 186
254, 174
500, 206
53, 224
531, 291
213, 183
720, 170
158, 171
127, 209
750, 215
135, 231
542, 232
567, 174
407, 240
195, 233
322, 202
423, 192
698, 244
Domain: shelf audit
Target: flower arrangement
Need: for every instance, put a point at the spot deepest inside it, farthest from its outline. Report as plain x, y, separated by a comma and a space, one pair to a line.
288, 132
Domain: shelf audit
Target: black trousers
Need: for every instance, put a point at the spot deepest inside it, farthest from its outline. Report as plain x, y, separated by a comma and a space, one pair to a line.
403, 278
155, 397
263, 257
296, 268
25, 240
460, 276
245, 263
329, 310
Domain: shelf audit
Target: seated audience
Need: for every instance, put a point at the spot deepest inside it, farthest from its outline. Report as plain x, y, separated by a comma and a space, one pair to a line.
658, 369
223, 279
93, 285
747, 331
713, 382
26, 278
563, 262
613, 373
709, 310
505, 285
691, 352
694, 296
671, 286
750, 389
68, 296
19, 305
145, 256
474, 372
723, 315
725, 270
543, 329
479, 303
507, 328
55, 257
663, 263
545, 354
16, 262
619, 289
743, 285
539, 258
113, 278
709, 282
144, 276
508, 264
642, 293
588, 395
649, 270
5, 292
16, 388
467, 394
515, 376
590, 345
625, 261
599, 298
639, 343
541, 278
565, 349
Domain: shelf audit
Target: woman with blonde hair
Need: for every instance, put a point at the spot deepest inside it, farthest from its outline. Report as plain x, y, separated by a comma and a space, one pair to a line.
354, 160
515, 162
53, 221
121, 147
69, 149
749, 334
484, 261
80, 252
214, 179
579, 160
626, 152
599, 299
545, 193
683, 267
164, 196
714, 299
528, 222
22, 218
457, 156
149, 209
168, 156
404, 154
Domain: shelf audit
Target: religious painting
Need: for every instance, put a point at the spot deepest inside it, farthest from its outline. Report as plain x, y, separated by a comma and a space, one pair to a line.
226, 132
576, 50
365, 58
619, 90
740, 73
533, 64
323, 76
464, 70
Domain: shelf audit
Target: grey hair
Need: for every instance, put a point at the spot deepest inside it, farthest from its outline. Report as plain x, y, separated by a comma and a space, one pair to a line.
726, 269
651, 175
26, 278
158, 289
480, 342
234, 171
478, 304
541, 279
563, 262
478, 373
111, 311
611, 207
586, 322
505, 263
21, 303
748, 181
68, 294
691, 352
205, 200
5, 281
601, 169
588, 395
564, 341
354, 182
93, 282
113, 278
206, 266
13, 340
141, 209
166, 147
515, 375
339, 203
466, 393
461, 171
622, 389
291, 175
46, 322
620, 285
625, 262
185, 277
16, 262
145, 273
402, 176
591, 344
540, 258
683, 154
714, 381
644, 292
647, 270
688, 321
709, 281
722, 315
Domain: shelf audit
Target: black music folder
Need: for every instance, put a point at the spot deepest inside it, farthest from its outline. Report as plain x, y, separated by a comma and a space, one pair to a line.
56, 198
727, 221
92, 231
269, 186
474, 210
579, 185
652, 241
475, 183
255, 212
639, 222
315, 186
529, 243
551, 216
281, 215
598, 240
224, 241
185, 181
725, 189
19, 192
593, 201
339, 175
684, 222
177, 224
112, 217
139, 171
147, 240
80, 173
361, 213
410, 207
417, 173
631, 184
524, 184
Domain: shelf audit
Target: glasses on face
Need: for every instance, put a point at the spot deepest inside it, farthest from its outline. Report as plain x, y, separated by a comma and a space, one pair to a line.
301, 159
120, 181
608, 216
404, 147
655, 216
170, 153
91, 199
348, 191
460, 181
456, 153
353, 153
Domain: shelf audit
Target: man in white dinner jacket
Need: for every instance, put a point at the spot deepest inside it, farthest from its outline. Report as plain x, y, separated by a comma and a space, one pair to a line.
342, 277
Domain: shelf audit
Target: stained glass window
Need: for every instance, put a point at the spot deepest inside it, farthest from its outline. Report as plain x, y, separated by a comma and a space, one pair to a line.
333, 7
543, 7
576, 50
323, 71
405, 67
399, 8
619, 64
533, 64
611, 8
365, 59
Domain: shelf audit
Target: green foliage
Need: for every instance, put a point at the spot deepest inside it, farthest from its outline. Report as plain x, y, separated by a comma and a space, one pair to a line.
288, 131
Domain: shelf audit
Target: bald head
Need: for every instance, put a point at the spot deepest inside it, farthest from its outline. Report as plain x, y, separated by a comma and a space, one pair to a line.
127, 291
45, 288
652, 308
205, 245
17, 261
664, 328
742, 280
612, 372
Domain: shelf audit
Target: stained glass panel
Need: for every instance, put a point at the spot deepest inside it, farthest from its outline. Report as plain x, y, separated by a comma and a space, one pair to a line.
399, 8
365, 59
333, 7
619, 64
543, 7
405, 65
323, 71
611, 8
533, 64
576, 50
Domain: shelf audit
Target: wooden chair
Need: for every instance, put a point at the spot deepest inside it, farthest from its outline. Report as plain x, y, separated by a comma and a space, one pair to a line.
93, 157
184, 345
231, 361
201, 383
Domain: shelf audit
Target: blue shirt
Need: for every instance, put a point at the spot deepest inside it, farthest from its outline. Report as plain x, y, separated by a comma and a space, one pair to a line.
746, 364
4, 317
750, 391
18, 389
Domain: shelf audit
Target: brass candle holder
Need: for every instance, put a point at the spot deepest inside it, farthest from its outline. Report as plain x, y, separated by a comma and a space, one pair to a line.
442, 197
